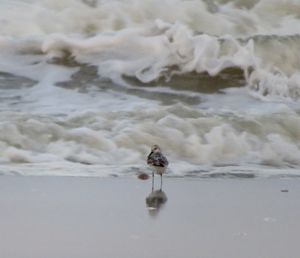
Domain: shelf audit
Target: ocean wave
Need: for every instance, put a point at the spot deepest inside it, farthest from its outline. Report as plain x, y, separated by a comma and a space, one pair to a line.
154, 42
157, 54
123, 138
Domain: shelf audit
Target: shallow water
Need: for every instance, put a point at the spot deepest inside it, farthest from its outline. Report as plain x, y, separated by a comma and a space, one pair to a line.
86, 87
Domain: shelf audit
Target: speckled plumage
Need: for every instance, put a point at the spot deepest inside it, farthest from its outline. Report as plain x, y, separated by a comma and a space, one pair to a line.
157, 161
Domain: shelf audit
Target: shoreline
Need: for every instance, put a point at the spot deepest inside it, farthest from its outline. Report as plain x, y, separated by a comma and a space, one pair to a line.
108, 217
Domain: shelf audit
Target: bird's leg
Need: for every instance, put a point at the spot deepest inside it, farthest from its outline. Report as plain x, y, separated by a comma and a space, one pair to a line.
152, 181
160, 182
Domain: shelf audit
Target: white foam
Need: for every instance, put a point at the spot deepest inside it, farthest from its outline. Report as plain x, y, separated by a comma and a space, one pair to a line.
22, 18
147, 58
115, 138
275, 86
149, 42
129, 52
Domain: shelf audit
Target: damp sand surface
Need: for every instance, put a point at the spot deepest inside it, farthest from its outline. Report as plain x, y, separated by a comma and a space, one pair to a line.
109, 217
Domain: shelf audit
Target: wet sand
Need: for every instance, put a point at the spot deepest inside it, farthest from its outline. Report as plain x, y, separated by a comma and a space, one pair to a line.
71, 217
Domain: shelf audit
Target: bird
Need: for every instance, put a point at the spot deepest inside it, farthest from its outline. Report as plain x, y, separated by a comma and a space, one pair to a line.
158, 163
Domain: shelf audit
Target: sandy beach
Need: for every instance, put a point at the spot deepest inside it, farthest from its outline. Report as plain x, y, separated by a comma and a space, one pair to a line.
95, 217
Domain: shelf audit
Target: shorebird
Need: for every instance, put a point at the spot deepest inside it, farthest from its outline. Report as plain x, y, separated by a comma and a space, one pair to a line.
158, 163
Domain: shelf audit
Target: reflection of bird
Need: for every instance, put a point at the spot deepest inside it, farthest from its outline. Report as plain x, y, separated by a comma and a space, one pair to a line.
156, 200
158, 162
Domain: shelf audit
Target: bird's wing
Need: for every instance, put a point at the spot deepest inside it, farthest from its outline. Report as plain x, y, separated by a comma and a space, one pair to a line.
157, 159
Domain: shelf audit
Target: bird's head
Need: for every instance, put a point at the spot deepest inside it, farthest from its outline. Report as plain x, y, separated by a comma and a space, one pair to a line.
155, 148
